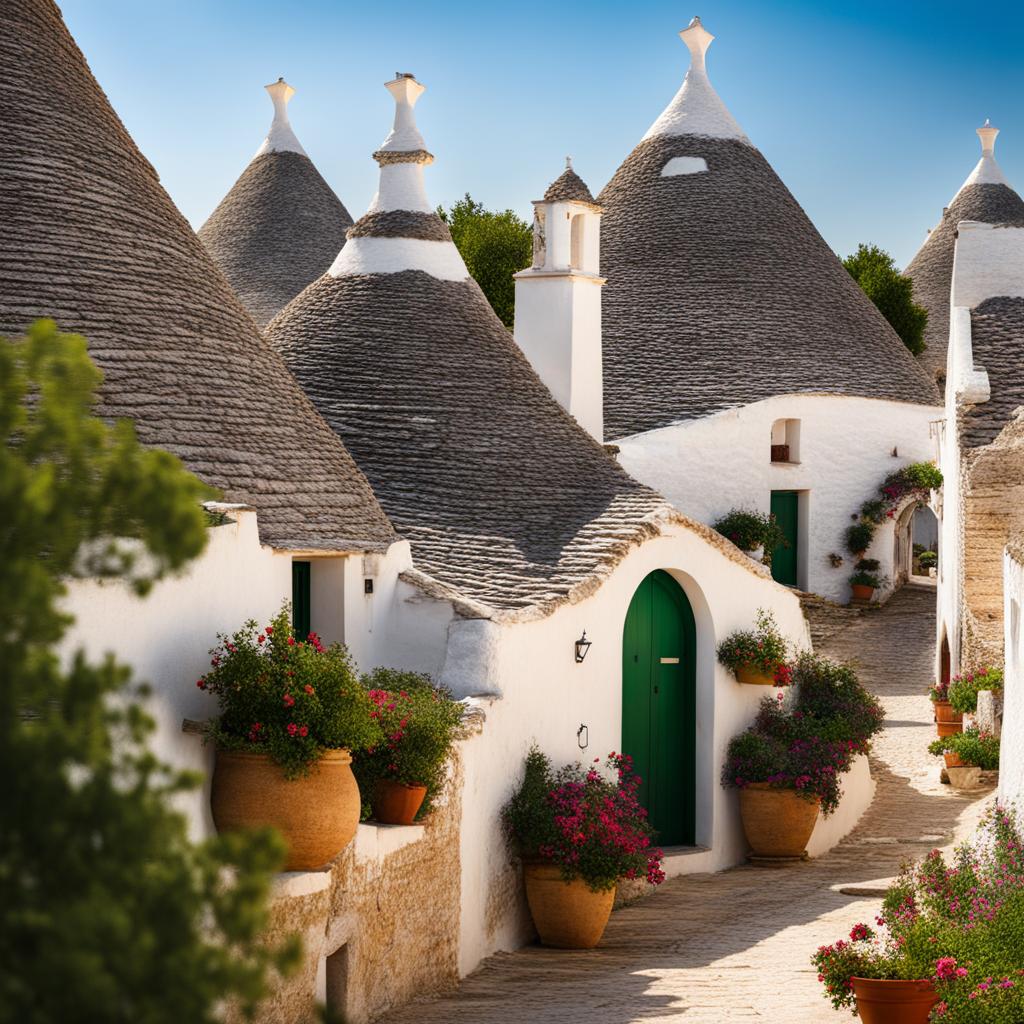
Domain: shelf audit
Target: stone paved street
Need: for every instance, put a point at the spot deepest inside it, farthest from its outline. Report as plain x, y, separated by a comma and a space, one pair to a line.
734, 946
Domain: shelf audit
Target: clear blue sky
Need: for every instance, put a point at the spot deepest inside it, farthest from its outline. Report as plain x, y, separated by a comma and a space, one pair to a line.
866, 109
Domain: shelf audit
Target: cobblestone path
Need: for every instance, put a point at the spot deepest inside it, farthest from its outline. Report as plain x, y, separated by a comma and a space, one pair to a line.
734, 946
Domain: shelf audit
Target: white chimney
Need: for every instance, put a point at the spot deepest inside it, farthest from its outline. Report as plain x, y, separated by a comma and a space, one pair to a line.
558, 300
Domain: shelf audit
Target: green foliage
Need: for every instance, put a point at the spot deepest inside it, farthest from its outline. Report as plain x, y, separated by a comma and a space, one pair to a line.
494, 246
858, 537
865, 579
867, 565
592, 828
873, 510
763, 648
874, 270
833, 702
110, 913
750, 530
420, 724
964, 689
973, 747
290, 699
919, 476
928, 559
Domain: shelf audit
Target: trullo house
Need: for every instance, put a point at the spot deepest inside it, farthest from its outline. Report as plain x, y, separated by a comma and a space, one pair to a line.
280, 225
971, 275
742, 367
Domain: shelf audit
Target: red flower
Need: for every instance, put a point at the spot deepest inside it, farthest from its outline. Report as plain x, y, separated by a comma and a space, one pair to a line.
269, 630
291, 641
201, 683
308, 689
303, 731
289, 700
260, 638
292, 728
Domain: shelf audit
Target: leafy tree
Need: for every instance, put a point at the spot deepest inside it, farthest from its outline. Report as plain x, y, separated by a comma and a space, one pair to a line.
109, 912
874, 270
494, 246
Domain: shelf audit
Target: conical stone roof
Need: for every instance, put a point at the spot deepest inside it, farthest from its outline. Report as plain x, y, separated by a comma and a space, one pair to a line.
91, 239
504, 498
985, 196
569, 186
280, 225
720, 291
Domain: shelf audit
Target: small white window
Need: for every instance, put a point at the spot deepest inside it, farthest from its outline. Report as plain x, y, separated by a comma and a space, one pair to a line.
576, 242
785, 441
684, 165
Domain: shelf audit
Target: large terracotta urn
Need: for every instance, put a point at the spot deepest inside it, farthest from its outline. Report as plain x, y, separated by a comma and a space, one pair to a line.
894, 1002
568, 915
777, 822
317, 814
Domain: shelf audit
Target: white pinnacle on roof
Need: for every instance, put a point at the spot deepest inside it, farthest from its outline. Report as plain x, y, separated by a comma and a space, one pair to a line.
697, 109
401, 191
280, 138
987, 171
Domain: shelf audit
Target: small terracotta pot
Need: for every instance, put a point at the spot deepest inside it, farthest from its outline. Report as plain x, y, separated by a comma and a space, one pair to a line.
954, 761
568, 915
894, 1002
861, 591
749, 674
948, 728
777, 822
395, 803
317, 814
944, 712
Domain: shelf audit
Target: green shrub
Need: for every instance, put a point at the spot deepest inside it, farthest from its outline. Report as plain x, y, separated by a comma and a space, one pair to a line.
287, 698
420, 723
867, 565
865, 579
928, 559
750, 530
858, 537
763, 648
964, 689
972, 746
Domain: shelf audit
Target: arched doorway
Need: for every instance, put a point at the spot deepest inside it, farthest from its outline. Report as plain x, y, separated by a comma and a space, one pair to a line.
659, 704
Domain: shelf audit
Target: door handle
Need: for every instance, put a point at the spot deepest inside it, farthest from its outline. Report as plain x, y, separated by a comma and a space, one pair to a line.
670, 661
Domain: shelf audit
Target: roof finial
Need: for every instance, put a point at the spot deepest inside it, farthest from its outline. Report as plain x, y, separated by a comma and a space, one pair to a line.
568, 163
280, 138
697, 39
404, 136
987, 133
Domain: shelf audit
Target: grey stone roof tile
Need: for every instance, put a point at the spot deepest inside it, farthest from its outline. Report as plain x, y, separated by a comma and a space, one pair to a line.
721, 293
997, 341
91, 239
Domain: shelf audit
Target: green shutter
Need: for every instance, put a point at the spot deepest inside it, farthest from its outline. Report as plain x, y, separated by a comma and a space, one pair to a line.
300, 599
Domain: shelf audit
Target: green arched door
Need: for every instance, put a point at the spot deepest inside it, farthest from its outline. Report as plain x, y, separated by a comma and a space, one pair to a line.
659, 704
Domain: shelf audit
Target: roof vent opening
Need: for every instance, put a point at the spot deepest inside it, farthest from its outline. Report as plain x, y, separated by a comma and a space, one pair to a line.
684, 165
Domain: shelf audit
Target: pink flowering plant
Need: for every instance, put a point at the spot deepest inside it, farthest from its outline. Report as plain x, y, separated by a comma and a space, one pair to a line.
959, 924
763, 649
964, 689
807, 743
287, 697
590, 825
420, 724
939, 691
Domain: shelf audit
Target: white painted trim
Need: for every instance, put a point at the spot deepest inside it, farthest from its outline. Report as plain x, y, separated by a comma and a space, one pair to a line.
370, 255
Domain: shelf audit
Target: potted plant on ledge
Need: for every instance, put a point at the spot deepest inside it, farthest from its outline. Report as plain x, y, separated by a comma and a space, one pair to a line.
752, 532
967, 754
865, 580
292, 713
964, 689
790, 762
578, 833
947, 720
757, 656
401, 776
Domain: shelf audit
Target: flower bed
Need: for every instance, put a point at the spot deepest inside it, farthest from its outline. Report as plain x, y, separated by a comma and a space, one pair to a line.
959, 925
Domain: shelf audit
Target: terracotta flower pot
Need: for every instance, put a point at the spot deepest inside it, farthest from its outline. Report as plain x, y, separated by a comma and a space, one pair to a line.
777, 822
395, 803
954, 761
894, 1002
317, 814
568, 915
861, 591
947, 721
750, 674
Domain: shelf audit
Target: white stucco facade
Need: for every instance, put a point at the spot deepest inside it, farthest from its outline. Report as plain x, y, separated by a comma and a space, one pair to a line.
1011, 749
846, 448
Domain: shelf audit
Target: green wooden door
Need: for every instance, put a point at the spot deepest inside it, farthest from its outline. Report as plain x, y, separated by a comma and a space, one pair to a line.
785, 508
659, 705
300, 599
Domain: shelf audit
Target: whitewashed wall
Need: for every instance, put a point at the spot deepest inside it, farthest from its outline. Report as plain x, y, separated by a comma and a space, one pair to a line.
1011, 751
707, 467
166, 637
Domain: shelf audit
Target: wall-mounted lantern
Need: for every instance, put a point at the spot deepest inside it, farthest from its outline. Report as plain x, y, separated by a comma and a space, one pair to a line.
582, 646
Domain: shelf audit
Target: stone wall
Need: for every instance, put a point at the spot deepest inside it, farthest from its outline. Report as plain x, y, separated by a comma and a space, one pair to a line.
993, 495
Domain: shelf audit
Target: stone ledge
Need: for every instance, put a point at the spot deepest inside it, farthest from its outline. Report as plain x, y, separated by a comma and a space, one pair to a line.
375, 842
293, 884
